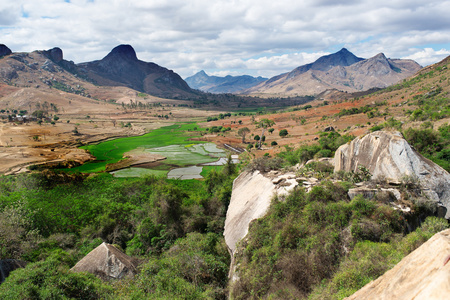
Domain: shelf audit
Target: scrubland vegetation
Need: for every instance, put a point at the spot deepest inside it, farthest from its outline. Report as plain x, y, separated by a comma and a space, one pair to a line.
52, 220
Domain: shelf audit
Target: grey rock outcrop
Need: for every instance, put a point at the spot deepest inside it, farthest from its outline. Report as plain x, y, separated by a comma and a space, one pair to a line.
107, 262
55, 54
423, 274
388, 156
9, 265
367, 193
4, 50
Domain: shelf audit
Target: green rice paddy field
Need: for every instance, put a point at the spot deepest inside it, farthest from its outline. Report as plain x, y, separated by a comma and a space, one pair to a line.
173, 142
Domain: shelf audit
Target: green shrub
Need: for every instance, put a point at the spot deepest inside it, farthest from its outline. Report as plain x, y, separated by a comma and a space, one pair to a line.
51, 279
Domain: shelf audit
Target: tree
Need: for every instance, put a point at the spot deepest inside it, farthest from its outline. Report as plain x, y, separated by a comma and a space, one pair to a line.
263, 124
243, 132
283, 133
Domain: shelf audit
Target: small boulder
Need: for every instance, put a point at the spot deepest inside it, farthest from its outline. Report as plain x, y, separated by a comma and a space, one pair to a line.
364, 191
107, 262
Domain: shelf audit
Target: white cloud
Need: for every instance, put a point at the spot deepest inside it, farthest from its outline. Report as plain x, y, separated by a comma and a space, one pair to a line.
238, 36
428, 56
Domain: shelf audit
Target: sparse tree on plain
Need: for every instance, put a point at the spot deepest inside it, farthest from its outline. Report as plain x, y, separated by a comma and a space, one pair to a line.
243, 132
263, 124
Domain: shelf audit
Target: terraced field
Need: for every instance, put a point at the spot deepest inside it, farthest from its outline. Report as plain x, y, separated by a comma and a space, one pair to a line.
173, 143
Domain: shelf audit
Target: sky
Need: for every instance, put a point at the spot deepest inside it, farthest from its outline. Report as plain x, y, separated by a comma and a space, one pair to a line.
229, 37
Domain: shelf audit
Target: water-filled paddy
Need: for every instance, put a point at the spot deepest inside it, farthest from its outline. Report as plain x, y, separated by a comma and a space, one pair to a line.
192, 172
138, 172
181, 154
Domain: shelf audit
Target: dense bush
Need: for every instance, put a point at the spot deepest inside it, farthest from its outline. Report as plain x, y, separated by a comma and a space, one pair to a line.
328, 144
51, 279
370, 259
434, 145
195, 267
265, 164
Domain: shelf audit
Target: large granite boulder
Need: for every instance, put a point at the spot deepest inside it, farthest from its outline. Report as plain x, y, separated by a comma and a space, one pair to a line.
423, 274
250, 199
107, 262
388, 156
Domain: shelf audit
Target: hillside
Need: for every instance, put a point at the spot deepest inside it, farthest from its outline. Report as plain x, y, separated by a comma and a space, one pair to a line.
342, 71
227, 84
64, 109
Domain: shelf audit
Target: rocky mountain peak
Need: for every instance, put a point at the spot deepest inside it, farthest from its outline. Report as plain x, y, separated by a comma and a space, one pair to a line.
341, 58
122, 51
379, 56
4, 50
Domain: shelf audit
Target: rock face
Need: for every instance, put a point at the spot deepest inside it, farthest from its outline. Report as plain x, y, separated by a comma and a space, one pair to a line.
9, 265
122, 67
423, 274
107, 262
250, 199
55, 54
387, 155
4, 50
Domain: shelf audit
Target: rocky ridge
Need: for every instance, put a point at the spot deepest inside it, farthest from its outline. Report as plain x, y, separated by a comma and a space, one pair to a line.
342, 71
121, 67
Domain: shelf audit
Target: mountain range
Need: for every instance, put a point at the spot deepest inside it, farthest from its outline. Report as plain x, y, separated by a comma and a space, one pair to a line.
120, 67
228, 84
342, 71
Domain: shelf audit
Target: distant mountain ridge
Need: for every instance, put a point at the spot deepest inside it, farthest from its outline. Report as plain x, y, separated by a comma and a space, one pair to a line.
228, 84
342, 71
122, 67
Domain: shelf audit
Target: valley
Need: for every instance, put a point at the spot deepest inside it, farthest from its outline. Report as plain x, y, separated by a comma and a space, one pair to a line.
274, 194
